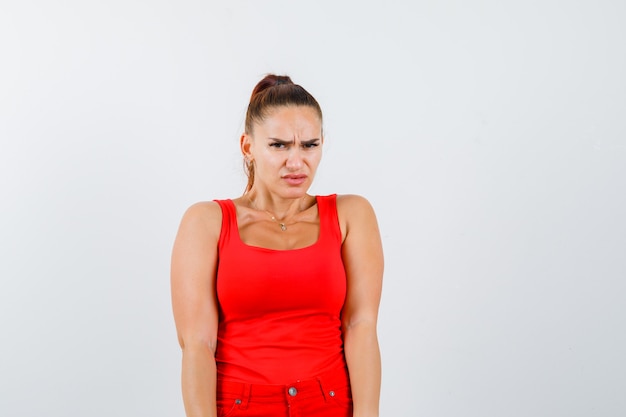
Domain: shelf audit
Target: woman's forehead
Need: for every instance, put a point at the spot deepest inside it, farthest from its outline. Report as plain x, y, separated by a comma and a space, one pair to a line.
290, 119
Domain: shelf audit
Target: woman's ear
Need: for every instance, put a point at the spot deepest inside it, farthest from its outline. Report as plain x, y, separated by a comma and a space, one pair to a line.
244, 144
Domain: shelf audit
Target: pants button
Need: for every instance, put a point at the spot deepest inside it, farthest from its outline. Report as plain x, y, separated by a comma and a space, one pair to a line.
332, 393
293, 391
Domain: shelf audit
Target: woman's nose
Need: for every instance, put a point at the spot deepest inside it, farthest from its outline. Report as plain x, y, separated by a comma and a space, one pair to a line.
294, 159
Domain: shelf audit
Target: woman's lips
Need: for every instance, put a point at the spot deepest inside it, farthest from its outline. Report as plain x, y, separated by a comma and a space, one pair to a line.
294, 179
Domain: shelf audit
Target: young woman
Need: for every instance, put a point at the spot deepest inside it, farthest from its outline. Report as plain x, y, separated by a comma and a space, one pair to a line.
276, 293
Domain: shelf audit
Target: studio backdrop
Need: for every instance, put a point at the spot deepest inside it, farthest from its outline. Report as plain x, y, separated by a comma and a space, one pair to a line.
490, 137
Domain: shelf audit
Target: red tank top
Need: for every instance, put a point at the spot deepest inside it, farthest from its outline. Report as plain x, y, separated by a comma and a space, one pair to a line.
280, 310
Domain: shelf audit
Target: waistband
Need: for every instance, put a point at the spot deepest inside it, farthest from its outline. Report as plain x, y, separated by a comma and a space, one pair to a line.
324, 385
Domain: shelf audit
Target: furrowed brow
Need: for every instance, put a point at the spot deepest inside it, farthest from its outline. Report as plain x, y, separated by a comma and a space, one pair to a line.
281, 141
310, 141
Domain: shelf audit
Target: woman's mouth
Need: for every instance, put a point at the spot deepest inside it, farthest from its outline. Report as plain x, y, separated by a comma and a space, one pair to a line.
294, 179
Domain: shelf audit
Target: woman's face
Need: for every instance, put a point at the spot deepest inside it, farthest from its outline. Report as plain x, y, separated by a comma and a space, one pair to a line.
286, 148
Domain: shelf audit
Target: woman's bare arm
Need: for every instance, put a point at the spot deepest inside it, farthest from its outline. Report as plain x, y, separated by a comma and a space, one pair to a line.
194, 301
363, 261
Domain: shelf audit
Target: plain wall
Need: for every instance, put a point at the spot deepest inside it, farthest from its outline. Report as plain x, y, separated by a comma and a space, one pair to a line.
490, 136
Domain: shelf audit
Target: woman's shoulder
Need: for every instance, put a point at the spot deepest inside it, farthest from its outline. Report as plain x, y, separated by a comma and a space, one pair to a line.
354, 211
203, 210
203, 217
352, 202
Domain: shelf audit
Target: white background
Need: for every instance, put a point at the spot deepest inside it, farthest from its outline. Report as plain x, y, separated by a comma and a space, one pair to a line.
490, 136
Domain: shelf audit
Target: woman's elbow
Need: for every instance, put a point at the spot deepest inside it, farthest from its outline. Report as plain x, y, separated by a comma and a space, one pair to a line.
360, 325
197, 344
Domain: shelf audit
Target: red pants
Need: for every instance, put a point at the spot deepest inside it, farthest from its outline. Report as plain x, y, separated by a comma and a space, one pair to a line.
324, 396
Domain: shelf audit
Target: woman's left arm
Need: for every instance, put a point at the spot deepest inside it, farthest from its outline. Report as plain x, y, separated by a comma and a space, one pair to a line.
363, 260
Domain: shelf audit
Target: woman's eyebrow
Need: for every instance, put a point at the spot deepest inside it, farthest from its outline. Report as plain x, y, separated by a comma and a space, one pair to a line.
286, 142
310, 141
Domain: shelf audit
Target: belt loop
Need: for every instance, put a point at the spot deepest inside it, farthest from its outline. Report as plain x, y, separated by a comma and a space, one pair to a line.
245, 396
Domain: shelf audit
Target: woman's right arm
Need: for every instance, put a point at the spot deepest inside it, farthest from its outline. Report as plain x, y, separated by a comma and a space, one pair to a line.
194, 301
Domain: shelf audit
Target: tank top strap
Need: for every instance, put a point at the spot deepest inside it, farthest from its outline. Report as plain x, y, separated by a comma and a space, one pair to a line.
329, 221
229, 221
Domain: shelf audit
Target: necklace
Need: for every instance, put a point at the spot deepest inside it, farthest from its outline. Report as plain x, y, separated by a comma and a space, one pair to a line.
283, 226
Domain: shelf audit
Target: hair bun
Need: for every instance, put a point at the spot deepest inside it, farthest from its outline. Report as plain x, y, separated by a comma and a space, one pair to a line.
282, 79
270, 80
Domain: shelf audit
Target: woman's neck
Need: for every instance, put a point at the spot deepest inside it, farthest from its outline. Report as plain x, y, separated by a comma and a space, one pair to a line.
279, 208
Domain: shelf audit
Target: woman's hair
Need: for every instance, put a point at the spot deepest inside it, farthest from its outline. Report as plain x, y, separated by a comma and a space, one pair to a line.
271, 92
